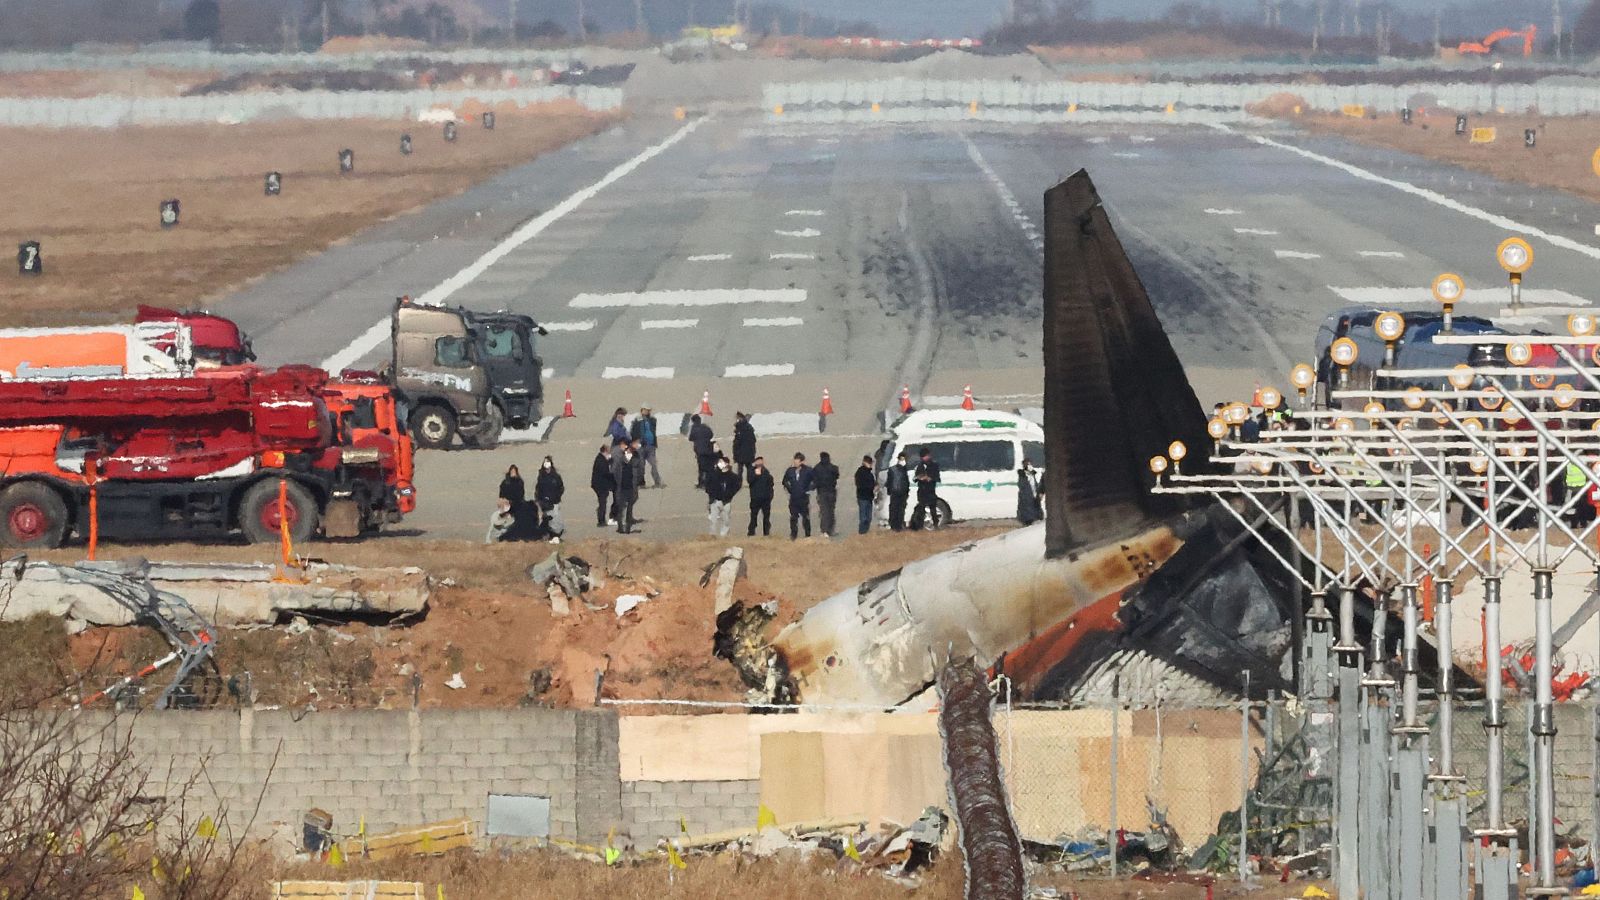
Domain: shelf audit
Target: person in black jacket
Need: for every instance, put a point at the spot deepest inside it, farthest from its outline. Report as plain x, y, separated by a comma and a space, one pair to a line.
1029, 494
797, 482
626, 467
825, 480
548, 490
897, 484
721, 489
744, 444
511, 487
603, 483
866, 493
927, 479
700, 435
761, 491
526, 524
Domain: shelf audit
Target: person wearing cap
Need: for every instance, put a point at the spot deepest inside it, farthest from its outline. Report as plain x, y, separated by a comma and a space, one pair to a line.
643, 432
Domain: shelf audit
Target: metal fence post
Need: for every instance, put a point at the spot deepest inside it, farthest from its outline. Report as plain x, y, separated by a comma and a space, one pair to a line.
1244, 780
1116, 714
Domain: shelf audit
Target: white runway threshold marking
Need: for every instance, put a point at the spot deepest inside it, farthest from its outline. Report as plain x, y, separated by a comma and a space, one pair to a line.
1263, 232
777, 322
711, 257
1213, 211
805, 212
802, 233
375, 336
1382, 254
627, 372
1435, 197
711, 297
1295, 254
1532, 298
568, 326
758, 371
652, 324
777, 256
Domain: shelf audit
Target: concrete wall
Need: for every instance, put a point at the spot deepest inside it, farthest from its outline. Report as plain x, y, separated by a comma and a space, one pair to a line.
391, 767
652, 808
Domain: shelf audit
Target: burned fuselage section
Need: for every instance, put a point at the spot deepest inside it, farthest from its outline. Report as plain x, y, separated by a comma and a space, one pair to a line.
1113, 570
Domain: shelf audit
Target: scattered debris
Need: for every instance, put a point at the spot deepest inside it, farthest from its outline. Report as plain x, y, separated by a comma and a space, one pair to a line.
574, 576
627, 602
456, 682
340, 890
727, 571
422, 840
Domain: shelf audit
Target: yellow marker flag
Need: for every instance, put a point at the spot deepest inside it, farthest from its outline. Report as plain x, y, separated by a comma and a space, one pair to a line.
441, 892
335, 856
613, 856
683, 824
361, 831
156, 871
427, 843
206, 829
674, 859
764, 818
1592, 890
850, 848
1314, 891
138, 894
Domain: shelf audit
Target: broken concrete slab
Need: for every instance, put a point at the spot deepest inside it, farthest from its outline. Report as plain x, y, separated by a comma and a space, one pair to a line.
223, 593
729, 571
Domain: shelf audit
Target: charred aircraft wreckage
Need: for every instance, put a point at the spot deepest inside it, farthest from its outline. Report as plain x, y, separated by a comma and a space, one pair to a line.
1116, 582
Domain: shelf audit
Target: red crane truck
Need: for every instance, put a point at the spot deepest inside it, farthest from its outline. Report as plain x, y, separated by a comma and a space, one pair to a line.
186, 456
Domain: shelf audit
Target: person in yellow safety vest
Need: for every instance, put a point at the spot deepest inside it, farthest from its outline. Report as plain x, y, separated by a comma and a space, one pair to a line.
1576, 484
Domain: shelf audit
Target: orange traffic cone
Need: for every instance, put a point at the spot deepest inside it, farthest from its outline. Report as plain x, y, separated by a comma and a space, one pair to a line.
1255, 398
827, 403
905, 398
705, 404
966, 398
566, 408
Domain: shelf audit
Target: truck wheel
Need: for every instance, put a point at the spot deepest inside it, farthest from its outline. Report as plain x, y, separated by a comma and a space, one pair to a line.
433, 426
487, 437
258, 512
32, 515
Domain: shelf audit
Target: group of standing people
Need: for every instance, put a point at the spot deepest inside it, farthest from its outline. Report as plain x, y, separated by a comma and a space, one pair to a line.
517, 518
619, 470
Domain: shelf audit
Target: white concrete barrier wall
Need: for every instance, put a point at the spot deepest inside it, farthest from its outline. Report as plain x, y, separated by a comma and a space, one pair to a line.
113, 111
1554, 99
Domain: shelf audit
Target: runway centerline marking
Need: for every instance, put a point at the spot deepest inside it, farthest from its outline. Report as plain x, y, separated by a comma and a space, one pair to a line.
776, 322
649, 324
792, 256
1263, 232
711, 297
802, 233
1295, 254
373, 337
626, 372
806, 212
710, 257
1029, 230
1435, 197
1382, 254
1213, 211
568, 326
758, 371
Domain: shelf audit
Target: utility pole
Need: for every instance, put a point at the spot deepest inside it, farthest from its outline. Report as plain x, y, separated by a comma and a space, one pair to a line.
1437, 45
1356, 18
638, 17
1316, 33
583, 27
287, 26
511, 21
1555, 24
325, 22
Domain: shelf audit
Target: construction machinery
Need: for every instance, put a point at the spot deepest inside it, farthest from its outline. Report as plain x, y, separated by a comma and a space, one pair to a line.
1486, 46
210, 454
465, 373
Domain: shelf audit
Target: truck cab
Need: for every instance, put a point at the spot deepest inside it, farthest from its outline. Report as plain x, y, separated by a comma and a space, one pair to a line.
465, 373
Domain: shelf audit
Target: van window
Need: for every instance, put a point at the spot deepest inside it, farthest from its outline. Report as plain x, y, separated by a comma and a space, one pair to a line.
451, 352
985, 456
1033, 451
502, 342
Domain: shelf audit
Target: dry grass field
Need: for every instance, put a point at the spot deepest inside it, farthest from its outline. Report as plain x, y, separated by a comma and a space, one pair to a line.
92, 198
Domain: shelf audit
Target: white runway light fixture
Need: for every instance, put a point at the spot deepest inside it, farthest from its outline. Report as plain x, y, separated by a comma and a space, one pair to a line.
1519, 353
1515, 256
1344, 353
1581, 324
1462, 376
1447, 289
1390, 326
1303, 377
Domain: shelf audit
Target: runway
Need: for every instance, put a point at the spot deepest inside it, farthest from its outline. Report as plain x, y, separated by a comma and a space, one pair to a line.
760, 263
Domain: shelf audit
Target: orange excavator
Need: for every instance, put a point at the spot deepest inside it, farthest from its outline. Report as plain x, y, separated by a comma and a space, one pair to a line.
1483, 47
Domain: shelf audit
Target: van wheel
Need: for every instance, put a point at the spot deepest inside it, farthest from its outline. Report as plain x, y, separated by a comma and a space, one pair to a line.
487, 437
32, 516
259, 517
433, 426
920, 520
